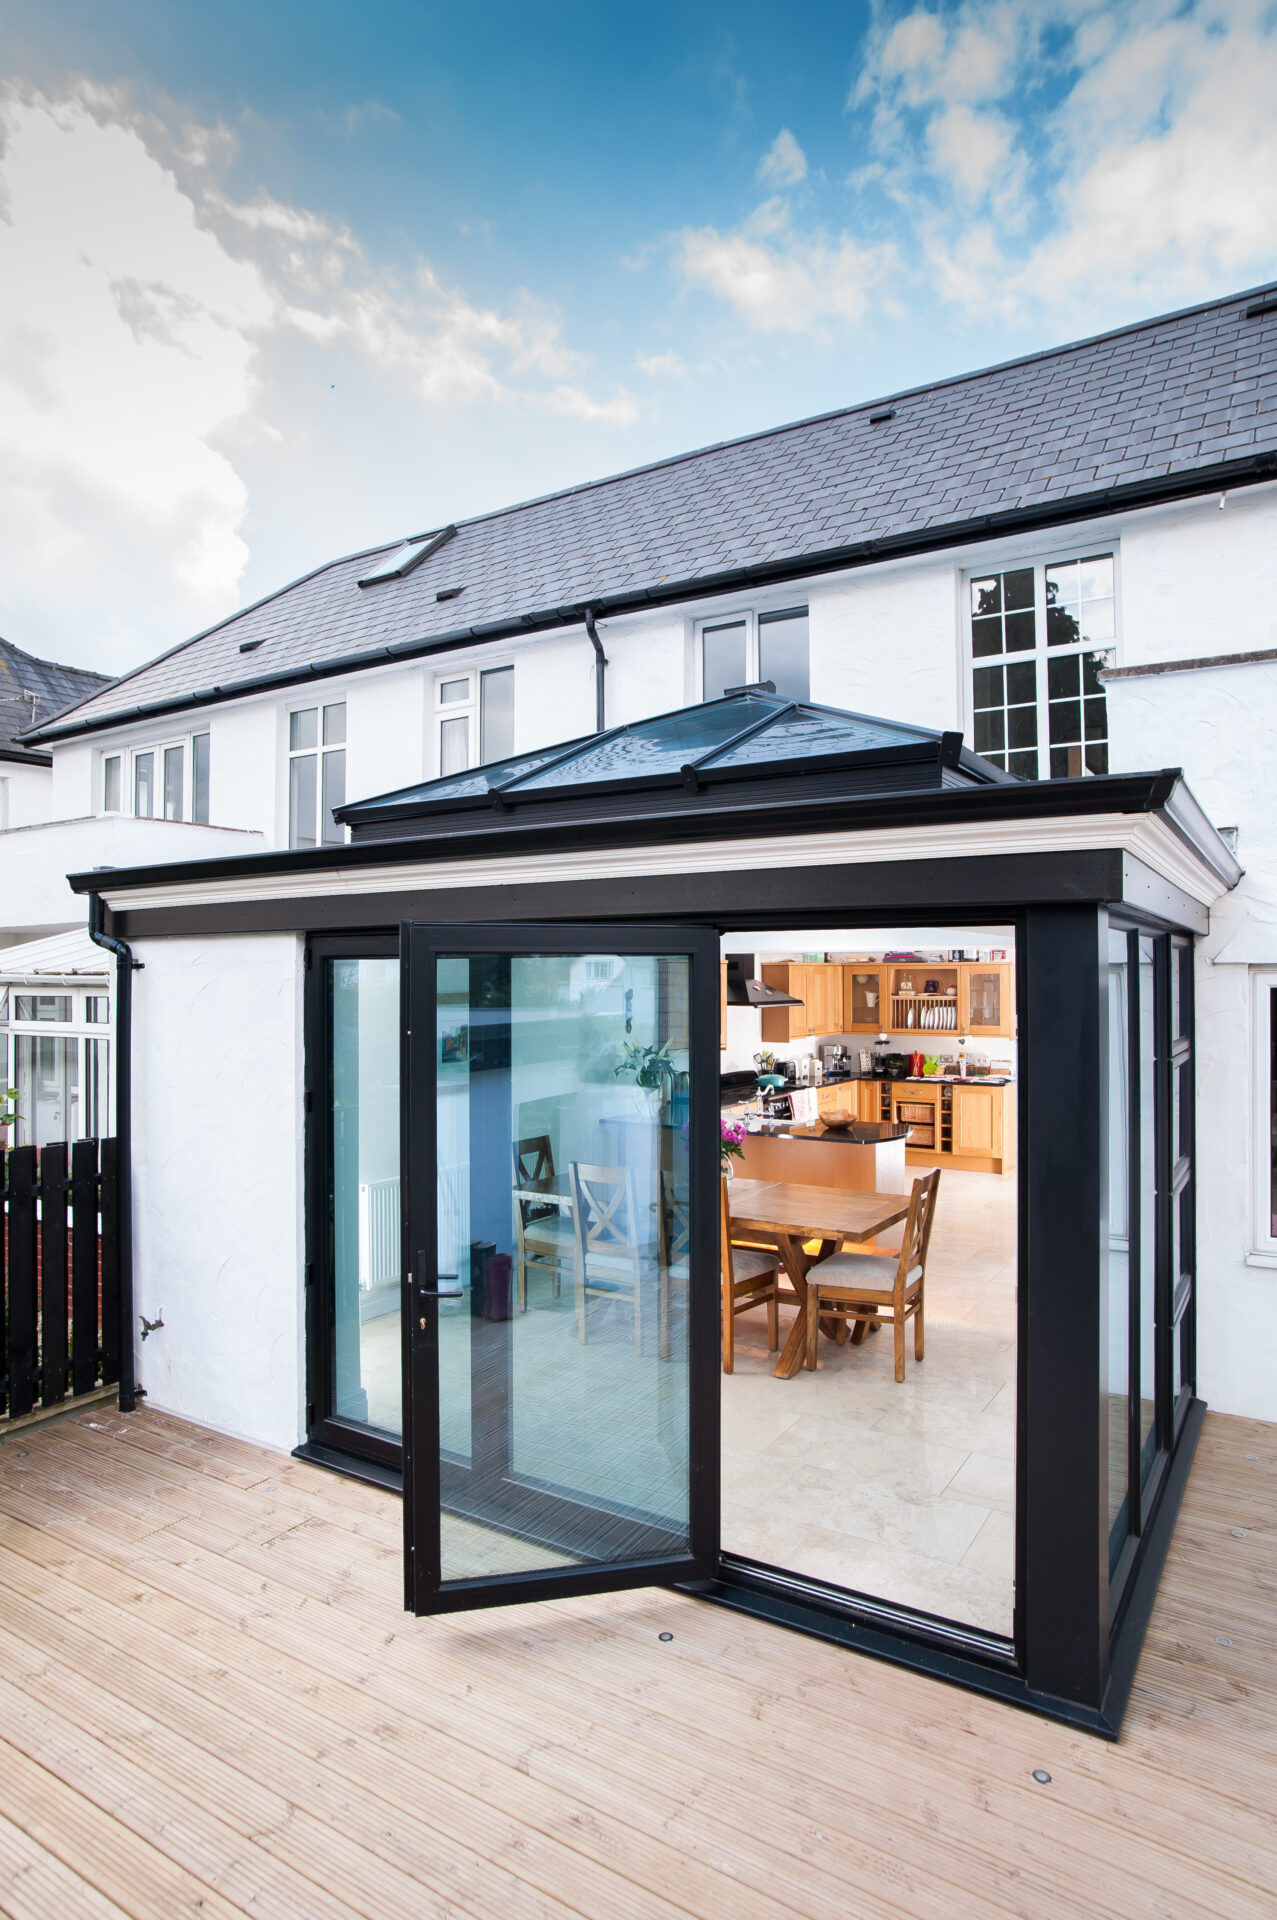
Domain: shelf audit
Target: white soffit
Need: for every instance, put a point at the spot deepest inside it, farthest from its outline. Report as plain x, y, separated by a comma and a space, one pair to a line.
1146, 836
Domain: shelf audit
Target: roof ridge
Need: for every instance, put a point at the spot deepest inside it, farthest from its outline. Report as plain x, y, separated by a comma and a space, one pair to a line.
862, 406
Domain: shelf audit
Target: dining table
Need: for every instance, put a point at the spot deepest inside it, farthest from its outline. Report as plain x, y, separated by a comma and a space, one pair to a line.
790, 1217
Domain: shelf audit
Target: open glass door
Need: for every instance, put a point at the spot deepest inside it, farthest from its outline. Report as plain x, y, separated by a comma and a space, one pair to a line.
561, 1245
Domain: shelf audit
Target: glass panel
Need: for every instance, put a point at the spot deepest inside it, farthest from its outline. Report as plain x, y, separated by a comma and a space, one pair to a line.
173, 782
1148, 1206
725, 659
454, 745
96, 1086
334, 796
97, 1009
496, 714
866, 1007
985, 991
783, 653
335, 724
43, 1006
144, 785
1117, 1313
303, 728
199, 778
563, 1202
48, 1084
798, 735
111, 795
1002, 616
451, 691
302, 800
663, 745
366, 1361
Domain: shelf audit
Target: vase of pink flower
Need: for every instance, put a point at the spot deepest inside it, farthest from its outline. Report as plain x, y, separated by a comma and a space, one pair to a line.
732, 1145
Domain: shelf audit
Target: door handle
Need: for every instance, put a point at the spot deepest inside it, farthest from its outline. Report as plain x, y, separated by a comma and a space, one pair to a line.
429, 1292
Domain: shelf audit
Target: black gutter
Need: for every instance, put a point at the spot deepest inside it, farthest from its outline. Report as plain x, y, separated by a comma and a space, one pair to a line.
1115, 793
26, 757
1224, 477
600, 669
125, 967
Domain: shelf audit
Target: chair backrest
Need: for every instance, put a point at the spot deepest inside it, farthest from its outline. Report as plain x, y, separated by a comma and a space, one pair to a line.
603, 1211
725, 1234
533, 1158
917, 1234
676, 1222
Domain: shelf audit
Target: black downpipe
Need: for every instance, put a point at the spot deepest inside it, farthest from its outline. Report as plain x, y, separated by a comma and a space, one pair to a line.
125, 966
600, 687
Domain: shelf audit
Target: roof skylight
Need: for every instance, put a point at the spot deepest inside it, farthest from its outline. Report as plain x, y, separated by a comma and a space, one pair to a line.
409, 554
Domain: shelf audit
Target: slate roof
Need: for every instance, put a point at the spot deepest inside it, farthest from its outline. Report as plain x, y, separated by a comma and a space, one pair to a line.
56, 688
1167, 405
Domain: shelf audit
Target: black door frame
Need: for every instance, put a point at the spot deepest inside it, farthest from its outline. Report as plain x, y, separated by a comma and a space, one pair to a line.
424, 1485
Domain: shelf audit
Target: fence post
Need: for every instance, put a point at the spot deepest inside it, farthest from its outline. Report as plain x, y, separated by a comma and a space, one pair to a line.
84, 1266
22, 1281
53, 1273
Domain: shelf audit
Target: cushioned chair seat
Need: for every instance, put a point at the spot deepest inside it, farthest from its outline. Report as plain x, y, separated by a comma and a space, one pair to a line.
751, 1266
554, 1230
864, 1272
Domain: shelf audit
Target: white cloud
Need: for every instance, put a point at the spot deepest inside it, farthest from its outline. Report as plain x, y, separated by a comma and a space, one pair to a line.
143, 315
663, 366
784, 164
781, 281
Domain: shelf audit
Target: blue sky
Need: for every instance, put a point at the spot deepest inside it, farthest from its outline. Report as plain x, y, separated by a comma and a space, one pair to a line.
280, 281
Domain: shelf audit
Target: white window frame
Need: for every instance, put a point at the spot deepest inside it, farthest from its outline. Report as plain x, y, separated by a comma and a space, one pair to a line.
469, 709
751, 617
1003, 562
128, 757
320, 704
79, 1029
1263, 1242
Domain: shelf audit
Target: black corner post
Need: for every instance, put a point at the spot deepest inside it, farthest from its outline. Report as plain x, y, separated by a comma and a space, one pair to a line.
125, 966
600, 670
1062, 1572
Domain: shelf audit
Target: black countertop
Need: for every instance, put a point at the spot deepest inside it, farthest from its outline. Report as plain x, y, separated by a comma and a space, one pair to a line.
739, 1096
862, 1133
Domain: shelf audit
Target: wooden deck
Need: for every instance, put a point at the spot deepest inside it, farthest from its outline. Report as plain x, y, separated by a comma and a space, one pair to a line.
211, 1703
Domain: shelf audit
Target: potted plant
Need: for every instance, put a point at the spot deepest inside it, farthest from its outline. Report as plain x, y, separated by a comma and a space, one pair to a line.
651, 1070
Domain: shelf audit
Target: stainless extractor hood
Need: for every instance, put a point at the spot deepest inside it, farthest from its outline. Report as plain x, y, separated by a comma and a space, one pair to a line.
744, 989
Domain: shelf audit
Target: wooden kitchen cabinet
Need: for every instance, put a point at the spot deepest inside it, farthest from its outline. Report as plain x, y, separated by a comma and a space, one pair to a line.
862, 1008
977, 1121
818, 985
987, 994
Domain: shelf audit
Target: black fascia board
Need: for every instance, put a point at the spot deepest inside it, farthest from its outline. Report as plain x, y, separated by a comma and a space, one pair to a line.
25, 757
1115, 793
1224, 476
437, 813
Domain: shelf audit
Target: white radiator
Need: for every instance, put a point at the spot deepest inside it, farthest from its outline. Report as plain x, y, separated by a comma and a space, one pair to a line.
379, 1261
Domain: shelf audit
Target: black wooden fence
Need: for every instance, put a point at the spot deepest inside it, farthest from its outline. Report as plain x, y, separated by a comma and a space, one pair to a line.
59, 1273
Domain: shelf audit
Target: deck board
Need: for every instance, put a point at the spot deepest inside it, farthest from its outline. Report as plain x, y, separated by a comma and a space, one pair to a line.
211, 1702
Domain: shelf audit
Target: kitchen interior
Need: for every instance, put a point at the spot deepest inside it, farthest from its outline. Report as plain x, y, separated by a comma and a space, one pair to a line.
854, 1064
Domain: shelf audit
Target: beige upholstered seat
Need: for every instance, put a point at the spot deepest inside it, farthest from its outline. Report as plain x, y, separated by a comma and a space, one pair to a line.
862, 1287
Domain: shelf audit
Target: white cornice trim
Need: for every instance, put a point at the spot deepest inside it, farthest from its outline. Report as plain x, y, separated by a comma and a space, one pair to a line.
1146, 836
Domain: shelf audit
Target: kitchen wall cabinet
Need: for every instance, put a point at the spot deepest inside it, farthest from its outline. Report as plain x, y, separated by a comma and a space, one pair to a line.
862, 1007
818, 985
989, 999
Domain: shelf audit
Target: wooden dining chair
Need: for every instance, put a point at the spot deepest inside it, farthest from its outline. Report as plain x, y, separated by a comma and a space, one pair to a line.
676, 1251
750, 1278
609, 1252
544, 1237
861, 1287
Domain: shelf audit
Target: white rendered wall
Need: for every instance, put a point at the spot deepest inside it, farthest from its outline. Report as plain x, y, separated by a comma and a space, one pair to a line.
1197, 580
1218, 724
885, 641
217, 1182
28, 794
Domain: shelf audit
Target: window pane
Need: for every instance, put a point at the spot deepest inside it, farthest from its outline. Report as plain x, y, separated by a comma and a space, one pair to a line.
1148, 1205
1021, 632
1022, 683
451, 691
496, 714
97, 1009
363, 1037
1063, 677
144, 785
1097, 759
1024, 764
173, 758
1065, 720
43, 1006
454, 745
990, 732
724, 657
199, 778
111, 795
1017, 589
302, 800
1066, 763
303, 728
335, 724
563, 1207
986, 596
334, 796
96, 1089
784, 653
987, 683
1022, 727
48, 1083
1117, 1315
986, 637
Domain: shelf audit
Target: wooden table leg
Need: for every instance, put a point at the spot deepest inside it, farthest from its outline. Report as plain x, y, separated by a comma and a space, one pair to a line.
795, 1264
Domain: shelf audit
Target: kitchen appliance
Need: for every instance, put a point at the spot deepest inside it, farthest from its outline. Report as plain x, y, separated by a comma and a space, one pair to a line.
834, 1058
745, 989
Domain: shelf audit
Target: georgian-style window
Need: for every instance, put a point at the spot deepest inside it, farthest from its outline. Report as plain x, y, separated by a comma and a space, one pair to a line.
316, 774
474, 718
55, 1049
1041, 635
753, 649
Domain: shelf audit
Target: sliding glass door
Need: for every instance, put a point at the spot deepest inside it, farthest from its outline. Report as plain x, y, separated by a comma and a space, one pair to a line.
561, 1165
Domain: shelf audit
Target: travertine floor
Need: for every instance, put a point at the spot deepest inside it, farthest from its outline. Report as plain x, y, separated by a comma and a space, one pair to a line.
902, 1492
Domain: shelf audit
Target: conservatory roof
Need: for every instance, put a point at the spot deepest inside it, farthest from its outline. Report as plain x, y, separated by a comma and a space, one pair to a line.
746, 737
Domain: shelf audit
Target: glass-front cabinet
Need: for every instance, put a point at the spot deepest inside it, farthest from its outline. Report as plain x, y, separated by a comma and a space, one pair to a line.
863, 1010
989, 996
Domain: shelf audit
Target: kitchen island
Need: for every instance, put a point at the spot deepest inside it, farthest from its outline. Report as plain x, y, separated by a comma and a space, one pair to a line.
867, 1158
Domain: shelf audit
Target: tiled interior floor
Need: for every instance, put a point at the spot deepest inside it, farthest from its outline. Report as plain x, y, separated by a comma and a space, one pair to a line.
902, 1492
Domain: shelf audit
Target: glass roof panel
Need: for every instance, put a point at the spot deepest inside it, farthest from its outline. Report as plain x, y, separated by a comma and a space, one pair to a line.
462, 786
660, 745
805, 732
